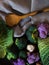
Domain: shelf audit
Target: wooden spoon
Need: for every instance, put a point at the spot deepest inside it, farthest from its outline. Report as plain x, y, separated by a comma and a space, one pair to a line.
13, 19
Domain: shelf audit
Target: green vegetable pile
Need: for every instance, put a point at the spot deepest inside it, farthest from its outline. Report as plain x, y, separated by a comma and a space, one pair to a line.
7, 45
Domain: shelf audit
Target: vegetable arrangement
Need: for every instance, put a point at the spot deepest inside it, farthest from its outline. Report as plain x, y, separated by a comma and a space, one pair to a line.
32, 48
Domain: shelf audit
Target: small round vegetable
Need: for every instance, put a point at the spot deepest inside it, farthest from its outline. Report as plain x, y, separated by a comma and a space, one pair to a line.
30, 48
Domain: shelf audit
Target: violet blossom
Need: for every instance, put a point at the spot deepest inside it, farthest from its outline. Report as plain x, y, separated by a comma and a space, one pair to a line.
32, 58
19, 62
43, 30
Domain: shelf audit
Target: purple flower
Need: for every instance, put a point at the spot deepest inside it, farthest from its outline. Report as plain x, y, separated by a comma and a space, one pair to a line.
37, 58
43, 30
19, 62
15, 63
32, 58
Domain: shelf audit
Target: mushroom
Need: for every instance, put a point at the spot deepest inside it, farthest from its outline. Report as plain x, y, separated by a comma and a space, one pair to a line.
30, 48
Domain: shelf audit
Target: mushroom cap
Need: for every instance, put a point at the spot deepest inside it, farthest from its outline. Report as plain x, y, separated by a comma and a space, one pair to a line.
30, 48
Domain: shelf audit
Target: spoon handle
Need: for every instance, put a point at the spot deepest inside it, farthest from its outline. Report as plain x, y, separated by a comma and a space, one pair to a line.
34, 13
28, 14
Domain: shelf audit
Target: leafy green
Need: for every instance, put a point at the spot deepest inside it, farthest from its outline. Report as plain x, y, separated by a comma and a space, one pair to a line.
21, 43
43, 45
6, 35
2, 51
11, 55
22, 54
31, 34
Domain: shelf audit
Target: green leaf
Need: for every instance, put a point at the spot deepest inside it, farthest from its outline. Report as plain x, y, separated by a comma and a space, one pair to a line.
22, 54
43, 45
6, 35
21, 43
31, 34
2, 51
11, 55
6, 38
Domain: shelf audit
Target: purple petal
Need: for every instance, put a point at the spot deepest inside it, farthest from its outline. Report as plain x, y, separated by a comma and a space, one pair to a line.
18, 62
21, 62
42, 34
37, 58
14, 63
32, 56
43, 30
30, 60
